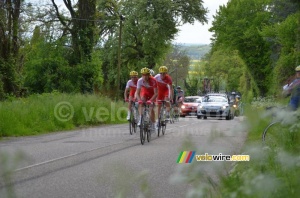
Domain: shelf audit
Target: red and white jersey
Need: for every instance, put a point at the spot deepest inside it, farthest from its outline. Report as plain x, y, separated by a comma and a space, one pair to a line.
131, 84
147, 86
163, 84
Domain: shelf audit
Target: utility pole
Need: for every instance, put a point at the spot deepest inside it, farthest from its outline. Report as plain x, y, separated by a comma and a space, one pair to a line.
176, 75
122, 18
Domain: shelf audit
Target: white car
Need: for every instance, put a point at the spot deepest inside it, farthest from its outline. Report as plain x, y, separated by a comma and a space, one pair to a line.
215, 106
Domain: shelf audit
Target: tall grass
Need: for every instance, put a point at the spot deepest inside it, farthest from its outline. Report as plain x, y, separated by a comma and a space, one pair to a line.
273, 170
53, 112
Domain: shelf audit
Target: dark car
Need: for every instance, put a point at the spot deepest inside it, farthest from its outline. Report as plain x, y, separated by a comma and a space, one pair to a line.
189, 106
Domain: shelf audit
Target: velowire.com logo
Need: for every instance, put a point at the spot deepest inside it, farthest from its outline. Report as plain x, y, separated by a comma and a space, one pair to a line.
188, 156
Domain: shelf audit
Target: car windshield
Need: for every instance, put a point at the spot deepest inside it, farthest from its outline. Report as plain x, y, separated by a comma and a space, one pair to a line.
215, 99
191, 100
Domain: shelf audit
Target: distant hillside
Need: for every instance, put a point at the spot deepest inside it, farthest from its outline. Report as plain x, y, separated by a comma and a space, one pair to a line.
195, 51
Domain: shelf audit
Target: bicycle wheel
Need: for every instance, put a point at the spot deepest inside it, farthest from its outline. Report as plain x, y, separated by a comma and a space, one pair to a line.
142, 136
148, 134
135, 120
131, 123
159, 123
271, 133
163, 128
176, 115
172, 116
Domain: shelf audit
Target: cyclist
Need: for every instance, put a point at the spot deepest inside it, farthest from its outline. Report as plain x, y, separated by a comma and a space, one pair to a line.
131, 88
180, 96
174, 95
293, 89
146, 92
165, 90
152, 73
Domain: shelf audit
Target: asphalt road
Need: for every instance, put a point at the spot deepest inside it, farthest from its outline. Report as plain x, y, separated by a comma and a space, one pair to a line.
107, 161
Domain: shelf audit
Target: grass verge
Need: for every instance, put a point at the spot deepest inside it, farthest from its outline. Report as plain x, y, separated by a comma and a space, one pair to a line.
45, 113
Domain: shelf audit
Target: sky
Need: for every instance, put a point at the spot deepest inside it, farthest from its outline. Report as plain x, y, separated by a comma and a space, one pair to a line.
199, 33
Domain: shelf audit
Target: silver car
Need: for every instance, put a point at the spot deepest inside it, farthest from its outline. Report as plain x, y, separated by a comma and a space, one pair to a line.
215, 106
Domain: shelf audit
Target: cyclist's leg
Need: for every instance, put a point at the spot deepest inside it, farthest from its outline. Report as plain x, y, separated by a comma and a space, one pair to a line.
129, 108
294, 103
152, 117
160, 96
168, 105
143, 98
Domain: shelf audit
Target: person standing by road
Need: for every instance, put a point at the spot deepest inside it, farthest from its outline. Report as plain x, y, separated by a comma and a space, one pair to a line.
293, 90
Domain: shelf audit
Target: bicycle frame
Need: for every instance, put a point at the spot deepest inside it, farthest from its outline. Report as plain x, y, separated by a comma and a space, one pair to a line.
162, 124
145, 123
133, 118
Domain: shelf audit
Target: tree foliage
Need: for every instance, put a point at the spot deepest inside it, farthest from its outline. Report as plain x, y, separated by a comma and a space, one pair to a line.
147, 32
264, 34
9, 45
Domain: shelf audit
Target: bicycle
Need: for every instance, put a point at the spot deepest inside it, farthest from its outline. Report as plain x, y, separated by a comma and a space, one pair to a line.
277, 127
172, 115
176, 112
162, 122
145, 124
133, 117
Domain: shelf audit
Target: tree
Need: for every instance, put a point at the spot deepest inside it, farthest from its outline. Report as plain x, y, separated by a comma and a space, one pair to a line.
237, 27
81, 25
147, 32
9, 45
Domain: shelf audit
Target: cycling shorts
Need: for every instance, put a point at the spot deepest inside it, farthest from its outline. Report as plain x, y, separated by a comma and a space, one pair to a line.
146, 95
132, 92
162, 94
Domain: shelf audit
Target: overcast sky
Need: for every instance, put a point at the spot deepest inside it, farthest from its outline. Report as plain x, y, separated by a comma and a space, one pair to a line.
199, 33
196, 33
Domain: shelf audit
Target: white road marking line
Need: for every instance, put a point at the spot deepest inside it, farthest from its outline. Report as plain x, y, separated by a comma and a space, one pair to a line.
67, 156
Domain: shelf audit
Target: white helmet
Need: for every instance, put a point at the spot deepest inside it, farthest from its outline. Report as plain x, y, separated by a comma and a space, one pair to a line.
152, 73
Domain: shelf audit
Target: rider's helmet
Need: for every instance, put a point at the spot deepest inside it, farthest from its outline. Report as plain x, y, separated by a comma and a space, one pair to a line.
133, 73
145, 70
178, 87
297, 69
152, 73
238, 97
163, 69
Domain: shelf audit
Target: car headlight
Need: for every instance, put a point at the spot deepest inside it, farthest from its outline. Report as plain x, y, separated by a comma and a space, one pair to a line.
200, 107
182, 107
224, 107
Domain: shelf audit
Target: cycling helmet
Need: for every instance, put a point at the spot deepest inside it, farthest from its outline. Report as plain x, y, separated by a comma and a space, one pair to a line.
163, 69
178, 87
133, 73
238, 97
297, 69
152, 73
145, 70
